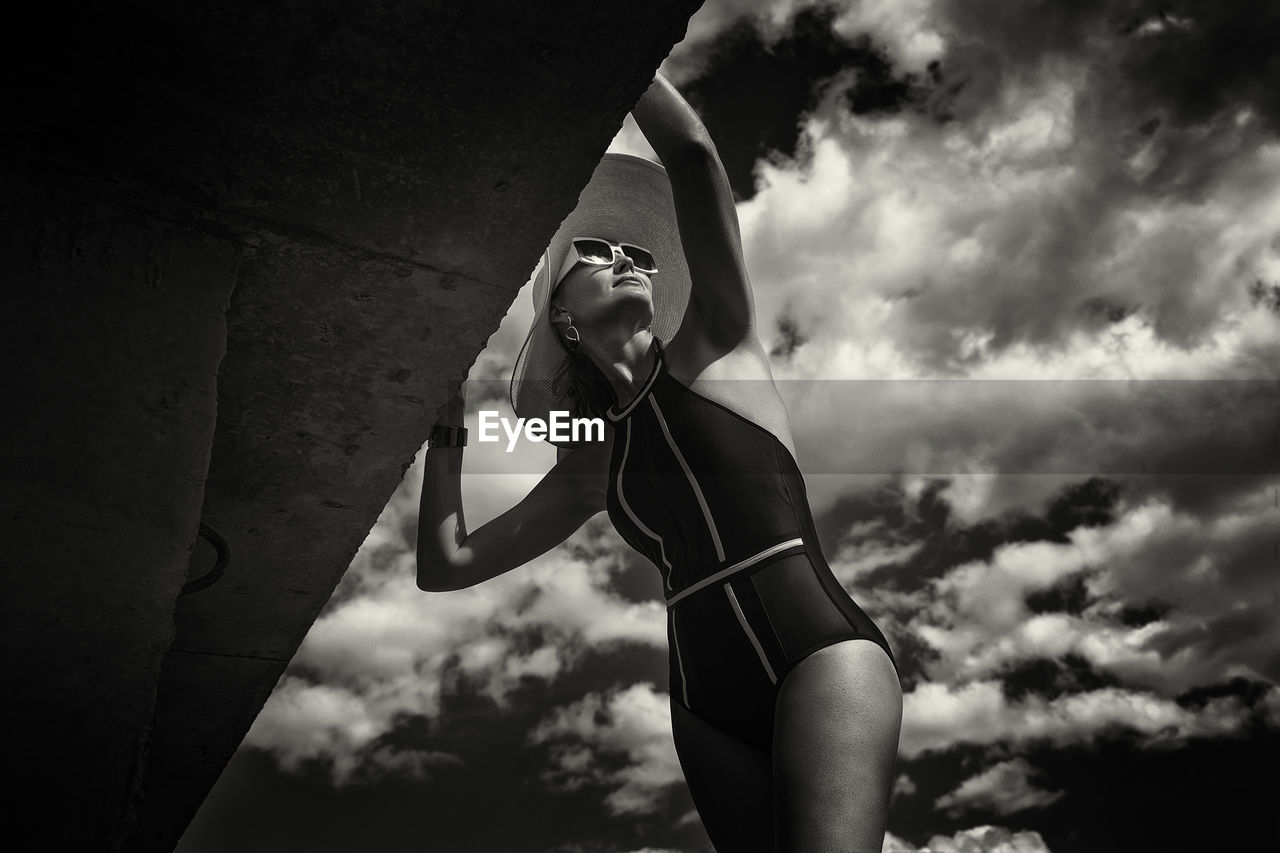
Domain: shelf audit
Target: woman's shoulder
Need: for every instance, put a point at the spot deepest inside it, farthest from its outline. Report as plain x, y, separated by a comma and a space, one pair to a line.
738, 378
691, 357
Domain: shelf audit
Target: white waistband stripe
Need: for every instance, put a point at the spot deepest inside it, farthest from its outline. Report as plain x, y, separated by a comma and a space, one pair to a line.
736, 567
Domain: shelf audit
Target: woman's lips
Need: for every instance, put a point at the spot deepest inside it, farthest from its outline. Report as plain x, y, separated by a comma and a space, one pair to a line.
629, 278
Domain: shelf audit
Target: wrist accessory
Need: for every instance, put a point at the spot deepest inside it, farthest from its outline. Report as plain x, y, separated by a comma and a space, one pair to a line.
442, 435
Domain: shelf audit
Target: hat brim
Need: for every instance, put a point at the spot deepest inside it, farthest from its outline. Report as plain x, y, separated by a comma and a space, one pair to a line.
628, 199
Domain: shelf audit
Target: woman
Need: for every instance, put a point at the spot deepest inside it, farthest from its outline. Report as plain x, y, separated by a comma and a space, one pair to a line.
785, 718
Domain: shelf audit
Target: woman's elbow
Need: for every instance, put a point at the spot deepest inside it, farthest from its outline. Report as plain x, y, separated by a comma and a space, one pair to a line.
697, 151
437, 577
425, 585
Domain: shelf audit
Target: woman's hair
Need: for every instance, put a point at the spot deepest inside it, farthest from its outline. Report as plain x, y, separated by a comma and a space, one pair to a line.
579, 381
584, 387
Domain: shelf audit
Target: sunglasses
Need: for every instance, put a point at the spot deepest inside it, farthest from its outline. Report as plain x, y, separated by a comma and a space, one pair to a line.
598, 252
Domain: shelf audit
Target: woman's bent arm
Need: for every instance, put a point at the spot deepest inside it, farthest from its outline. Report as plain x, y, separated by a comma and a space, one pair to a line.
721, 301
451, 558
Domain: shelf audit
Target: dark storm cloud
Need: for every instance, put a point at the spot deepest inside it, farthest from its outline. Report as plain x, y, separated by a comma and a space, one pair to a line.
790, 339
1266, 295
753, 91
889, 514
258, 808
1172, 98
937, 543
1120, 795
1053, 677
1186, 61
1199, 443
1249, 625
1070, 595
1219, 54
1123, 797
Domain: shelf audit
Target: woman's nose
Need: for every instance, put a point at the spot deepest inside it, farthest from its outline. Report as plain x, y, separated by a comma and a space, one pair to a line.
622, 259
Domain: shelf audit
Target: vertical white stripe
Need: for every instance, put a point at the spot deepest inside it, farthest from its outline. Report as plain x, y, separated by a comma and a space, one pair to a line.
622, 499
697, 490
684, 682
751, 635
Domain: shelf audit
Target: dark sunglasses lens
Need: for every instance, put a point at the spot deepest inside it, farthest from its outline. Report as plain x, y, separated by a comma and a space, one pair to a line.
640, 257
594, 251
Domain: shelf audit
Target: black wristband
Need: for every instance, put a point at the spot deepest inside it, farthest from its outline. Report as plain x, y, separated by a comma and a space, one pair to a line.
447, 436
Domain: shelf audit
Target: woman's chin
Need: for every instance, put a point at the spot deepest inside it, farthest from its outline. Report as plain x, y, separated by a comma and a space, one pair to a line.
632, 295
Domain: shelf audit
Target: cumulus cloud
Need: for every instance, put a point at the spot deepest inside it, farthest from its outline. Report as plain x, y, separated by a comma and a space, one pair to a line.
897, 248
308, 722
1107, 615
1097, 589
859, 555
937, 716
587, 738
981, 839
914, 272
903, 786
385, 653
978, 616
1003, 788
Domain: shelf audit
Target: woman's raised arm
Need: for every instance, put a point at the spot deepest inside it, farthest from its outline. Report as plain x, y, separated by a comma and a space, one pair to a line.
450, 558
705, 213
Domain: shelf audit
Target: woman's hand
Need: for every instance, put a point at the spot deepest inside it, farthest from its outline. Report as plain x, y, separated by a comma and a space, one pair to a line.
454, 409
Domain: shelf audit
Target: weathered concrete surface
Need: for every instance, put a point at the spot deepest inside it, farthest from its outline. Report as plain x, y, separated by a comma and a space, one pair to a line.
321, 407
375, 180
114, 329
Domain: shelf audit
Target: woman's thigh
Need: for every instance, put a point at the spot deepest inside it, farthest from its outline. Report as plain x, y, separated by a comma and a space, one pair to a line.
730, 782
839, 713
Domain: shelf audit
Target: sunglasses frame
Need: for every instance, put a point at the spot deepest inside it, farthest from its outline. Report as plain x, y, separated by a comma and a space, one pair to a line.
573, 258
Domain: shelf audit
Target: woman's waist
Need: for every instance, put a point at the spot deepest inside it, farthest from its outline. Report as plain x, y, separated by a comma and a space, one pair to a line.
707, 574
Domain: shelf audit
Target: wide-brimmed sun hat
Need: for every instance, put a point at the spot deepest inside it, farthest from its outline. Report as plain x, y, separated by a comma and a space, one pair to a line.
627, 200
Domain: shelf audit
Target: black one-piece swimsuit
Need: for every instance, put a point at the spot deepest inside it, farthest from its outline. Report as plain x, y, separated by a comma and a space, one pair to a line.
718, 504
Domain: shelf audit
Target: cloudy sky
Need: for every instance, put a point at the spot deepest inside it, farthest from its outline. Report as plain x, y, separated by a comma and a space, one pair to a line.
1018, 267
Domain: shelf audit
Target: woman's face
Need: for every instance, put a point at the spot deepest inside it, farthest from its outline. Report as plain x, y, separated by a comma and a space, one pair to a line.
596, 295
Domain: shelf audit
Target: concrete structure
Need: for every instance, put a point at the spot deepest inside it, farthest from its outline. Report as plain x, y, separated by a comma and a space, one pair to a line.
246, 243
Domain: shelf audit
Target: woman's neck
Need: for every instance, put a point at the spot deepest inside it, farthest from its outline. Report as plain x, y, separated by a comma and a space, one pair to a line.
626, 363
